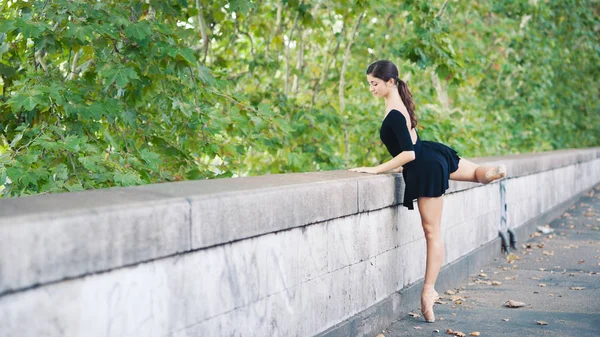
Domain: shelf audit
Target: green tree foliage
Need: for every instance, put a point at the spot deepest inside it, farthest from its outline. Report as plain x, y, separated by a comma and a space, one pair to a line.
116, 93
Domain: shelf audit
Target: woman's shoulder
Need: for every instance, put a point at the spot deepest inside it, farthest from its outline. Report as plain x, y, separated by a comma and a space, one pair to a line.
395, 115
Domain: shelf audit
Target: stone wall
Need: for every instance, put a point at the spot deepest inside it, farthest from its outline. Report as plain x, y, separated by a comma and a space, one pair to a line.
324, 253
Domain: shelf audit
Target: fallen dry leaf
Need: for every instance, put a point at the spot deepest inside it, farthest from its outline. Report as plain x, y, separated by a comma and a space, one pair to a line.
455, 333
496, 283
577, 288
418, 328
549, 253
475, 333
510, 278
380, 335
581, 261
412, 314
542, 285
542, 323
505, 319
512, 257
483, 275
514, 304
450, 292
589, 214
436, 330
440, 302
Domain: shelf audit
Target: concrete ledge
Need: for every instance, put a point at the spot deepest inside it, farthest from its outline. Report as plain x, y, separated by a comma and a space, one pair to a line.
520, 165
304, 251
53, 237
222, 217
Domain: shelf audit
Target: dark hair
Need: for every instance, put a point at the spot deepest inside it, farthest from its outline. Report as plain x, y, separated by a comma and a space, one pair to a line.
384, 69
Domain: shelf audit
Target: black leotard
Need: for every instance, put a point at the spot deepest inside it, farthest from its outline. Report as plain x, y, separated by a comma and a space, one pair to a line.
428, 174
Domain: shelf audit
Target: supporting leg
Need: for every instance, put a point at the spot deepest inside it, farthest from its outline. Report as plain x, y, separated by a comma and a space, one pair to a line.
431, 218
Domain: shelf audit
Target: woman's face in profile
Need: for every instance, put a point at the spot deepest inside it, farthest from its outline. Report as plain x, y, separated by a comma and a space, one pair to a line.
377, 86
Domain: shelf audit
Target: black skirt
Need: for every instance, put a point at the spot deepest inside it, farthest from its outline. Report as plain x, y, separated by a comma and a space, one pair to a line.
429, 173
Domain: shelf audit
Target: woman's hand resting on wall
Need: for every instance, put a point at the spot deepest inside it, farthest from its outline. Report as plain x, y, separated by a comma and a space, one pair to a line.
371, 170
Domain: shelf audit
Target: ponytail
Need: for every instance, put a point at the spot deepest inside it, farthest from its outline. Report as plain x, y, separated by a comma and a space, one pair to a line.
406, 97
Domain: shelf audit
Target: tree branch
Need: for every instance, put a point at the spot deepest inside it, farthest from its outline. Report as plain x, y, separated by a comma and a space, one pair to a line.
73, 68
203, 31
252, 51
441, 11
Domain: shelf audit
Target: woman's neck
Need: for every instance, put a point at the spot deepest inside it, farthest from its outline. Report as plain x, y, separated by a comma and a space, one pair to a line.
394, 101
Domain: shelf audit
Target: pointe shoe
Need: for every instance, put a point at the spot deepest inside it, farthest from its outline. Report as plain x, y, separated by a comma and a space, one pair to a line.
498, 172
427, 301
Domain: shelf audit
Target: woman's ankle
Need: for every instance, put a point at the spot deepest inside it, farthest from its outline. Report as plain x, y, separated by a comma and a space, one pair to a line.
428, 287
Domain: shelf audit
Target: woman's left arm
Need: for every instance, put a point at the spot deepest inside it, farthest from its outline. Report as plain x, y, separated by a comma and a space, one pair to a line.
400, 160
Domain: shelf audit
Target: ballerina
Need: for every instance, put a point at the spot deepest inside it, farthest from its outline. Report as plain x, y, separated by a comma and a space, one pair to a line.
426, 167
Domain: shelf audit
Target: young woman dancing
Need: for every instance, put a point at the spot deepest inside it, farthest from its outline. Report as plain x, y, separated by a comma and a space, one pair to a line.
425, 166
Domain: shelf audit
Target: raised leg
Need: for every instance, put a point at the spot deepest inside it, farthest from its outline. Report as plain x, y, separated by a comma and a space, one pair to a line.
431, 218
469, 171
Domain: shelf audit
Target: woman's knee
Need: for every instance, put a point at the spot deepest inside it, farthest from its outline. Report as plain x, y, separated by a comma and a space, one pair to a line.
432, 230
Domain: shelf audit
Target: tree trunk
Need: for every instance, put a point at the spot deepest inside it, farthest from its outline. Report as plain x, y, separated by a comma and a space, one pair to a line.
300, 53
341, 89
326, 63
287, 55
277, 30
441, 92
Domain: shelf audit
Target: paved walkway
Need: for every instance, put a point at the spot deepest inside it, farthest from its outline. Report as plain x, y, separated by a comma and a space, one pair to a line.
556, 275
